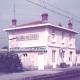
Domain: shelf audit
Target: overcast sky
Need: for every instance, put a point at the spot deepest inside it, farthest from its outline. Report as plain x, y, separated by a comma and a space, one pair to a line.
26, 12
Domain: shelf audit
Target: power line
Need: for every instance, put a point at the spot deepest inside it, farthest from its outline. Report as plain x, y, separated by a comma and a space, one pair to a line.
62, 10
46, 8
53, 11
14, 9
44, 3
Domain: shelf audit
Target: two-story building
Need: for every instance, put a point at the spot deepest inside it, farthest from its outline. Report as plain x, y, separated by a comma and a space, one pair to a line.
42, 45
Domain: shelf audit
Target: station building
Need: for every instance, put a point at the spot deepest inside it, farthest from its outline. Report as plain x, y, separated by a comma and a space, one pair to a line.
42, 45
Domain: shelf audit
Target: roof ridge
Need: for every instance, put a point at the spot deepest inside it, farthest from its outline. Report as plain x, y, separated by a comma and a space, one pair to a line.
31, 23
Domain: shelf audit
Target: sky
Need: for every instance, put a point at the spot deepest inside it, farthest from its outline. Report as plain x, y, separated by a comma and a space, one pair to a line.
26, 12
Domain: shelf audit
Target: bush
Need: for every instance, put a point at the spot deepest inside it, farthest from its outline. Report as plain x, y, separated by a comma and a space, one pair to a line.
10, 62
63, 65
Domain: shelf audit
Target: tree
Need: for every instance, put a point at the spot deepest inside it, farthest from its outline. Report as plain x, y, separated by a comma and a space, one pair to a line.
10, 62
5, 47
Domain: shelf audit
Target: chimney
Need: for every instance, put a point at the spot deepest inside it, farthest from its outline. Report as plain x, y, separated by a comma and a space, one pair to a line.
60, 24
44, 17
70, 24
14, 22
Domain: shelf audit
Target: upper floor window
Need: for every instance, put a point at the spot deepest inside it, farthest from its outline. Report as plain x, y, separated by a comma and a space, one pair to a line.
53, 36
53, 33
71, 53
27, 37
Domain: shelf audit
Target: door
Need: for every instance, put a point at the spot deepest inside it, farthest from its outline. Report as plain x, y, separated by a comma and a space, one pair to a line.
40, 61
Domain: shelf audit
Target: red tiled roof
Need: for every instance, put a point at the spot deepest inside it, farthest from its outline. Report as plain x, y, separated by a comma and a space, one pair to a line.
39, 24
31, 23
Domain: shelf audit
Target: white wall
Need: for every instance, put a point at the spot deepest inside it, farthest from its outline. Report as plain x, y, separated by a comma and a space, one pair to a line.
59, 42
45, 39
41, 41
65, 43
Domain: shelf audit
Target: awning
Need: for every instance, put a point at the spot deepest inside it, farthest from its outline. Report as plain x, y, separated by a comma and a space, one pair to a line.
29, 49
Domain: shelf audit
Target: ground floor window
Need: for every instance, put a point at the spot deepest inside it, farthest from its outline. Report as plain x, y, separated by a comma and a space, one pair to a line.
53, 55
24, 55
62, 54
70, 58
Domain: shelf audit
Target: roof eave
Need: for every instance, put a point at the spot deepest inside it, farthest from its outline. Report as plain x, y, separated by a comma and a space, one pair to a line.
39, 25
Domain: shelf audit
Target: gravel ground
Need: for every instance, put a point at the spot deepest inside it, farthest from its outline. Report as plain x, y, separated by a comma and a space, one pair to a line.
30, 74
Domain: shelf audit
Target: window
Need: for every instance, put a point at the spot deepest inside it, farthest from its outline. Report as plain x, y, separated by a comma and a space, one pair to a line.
53, 36
53, 55
70, 40
61, 52
70, 56
70, 52
69, 59
24, 55
53, 33
27, 37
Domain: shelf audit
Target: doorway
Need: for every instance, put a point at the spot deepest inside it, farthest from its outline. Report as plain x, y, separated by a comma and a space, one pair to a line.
40, 61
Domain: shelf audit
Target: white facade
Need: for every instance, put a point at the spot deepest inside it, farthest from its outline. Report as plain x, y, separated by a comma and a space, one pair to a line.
44, 45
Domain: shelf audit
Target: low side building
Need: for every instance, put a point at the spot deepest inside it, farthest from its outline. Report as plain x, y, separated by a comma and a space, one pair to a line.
78, 57
42, 45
